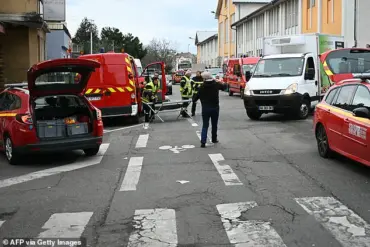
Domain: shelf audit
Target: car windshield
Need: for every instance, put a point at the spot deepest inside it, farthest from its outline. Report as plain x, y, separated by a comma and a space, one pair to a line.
349, 61
275, 67
58, 78
215, 71
139, 70
248, 67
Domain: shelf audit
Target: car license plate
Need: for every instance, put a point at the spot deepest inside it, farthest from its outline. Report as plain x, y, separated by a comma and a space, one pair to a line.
93, 98
266, 108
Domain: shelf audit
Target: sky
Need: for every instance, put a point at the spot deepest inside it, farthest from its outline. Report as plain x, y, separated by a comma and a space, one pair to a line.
173, 20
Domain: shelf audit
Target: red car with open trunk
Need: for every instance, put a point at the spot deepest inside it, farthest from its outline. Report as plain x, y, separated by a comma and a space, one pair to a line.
50, 112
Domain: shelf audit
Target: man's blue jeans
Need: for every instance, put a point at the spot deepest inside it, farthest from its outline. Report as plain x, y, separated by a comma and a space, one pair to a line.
209, 113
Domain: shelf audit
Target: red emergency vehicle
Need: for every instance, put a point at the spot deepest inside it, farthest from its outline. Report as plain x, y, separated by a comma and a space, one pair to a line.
115, 87
235, 73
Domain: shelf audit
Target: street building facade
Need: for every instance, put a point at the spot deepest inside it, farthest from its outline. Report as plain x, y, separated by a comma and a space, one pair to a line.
291, 17
207, 48
58, 41
227, 12
22, 38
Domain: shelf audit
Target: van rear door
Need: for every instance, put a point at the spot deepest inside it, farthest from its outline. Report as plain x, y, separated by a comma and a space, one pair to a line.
158, 67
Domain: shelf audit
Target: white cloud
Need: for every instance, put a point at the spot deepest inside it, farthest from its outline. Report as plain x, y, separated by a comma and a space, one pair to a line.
147, 19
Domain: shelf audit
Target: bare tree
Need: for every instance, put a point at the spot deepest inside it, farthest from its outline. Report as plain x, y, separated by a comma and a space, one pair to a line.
160, 51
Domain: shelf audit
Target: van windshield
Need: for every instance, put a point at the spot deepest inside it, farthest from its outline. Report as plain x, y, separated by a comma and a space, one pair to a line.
349, 61
278, 67
248, 67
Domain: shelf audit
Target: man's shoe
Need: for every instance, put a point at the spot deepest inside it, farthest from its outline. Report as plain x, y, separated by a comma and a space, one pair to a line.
215, 141
193, 114
203, 145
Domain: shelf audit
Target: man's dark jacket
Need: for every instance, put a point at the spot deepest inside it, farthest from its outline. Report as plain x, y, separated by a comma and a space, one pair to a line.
209, 93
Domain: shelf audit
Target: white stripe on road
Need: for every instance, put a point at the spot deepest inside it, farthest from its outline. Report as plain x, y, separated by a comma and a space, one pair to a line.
247, 233
123, 128
154, 228
66, 225
132, 175
146, 126
192, 122
1, 222
346, 226
200, 138
142, 141
82, 163
227, 174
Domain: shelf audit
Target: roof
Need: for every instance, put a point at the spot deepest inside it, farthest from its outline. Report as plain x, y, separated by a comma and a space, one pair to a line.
220, 2
257, 12
283, 55
202, 36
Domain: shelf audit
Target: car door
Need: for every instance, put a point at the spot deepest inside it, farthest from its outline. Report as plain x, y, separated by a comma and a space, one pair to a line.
2, 116
356, 130
338, 112
159, 68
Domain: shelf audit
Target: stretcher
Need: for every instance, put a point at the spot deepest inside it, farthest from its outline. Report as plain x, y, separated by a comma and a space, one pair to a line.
168, 106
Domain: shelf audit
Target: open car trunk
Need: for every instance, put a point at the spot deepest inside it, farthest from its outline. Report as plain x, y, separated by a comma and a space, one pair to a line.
61, 116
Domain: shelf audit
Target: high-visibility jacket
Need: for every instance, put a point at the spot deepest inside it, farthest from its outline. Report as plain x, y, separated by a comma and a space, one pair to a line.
196, 86
185, 87
150, 92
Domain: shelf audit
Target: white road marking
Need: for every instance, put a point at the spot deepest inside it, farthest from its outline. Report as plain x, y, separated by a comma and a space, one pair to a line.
81, 163
247, 233
346, 226
1, 222
227, 174
146, 126
192, 122
132, 175
142, 141
200, 138
154, 228
66, 225
123, 128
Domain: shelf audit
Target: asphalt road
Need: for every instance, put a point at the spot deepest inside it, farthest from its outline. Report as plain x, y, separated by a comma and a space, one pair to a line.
264, 184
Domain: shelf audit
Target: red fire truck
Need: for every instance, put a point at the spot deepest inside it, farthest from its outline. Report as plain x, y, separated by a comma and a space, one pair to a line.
115, 89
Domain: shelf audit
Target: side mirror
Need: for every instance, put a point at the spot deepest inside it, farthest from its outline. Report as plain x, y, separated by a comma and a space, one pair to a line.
361, 112
310, 74
248, 75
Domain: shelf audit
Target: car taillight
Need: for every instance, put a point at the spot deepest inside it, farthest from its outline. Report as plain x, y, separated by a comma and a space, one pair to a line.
24, 118
98, 114
133, 98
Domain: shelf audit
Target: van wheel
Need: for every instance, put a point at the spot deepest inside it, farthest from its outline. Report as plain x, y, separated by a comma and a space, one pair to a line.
11, 156
135, 119
91, 151
304, 109
254, 115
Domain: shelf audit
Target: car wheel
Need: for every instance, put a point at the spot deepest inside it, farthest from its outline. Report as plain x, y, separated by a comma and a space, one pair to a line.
91, 151
322, 142
304, 110
254, 115
11, 156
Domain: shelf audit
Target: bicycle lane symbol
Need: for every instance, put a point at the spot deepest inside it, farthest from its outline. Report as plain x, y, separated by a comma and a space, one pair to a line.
177, 149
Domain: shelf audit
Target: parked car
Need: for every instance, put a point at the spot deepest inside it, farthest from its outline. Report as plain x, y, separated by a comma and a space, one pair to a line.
342, 120
50, 111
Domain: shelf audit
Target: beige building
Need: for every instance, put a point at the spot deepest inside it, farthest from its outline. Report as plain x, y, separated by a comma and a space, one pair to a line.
22, 38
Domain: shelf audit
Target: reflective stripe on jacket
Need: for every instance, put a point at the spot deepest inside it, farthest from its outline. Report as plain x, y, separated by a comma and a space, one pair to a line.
186, 91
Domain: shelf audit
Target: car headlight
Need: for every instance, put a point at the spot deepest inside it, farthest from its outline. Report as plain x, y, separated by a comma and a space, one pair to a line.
293, 88
247, 91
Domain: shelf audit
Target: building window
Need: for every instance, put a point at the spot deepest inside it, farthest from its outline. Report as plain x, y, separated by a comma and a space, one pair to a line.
41, 7
310, 3
233, 32
226, 3
273, 17
221, 39
291, 14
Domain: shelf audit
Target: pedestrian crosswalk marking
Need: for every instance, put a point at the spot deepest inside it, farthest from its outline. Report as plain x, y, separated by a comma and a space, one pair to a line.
66, 225
247, 233
226, 172
142, 141
132, 175
154, 228
346, 226
200, 138
82, 163
1, 222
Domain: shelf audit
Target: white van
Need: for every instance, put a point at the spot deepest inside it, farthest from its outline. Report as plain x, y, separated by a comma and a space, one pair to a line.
287, 79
